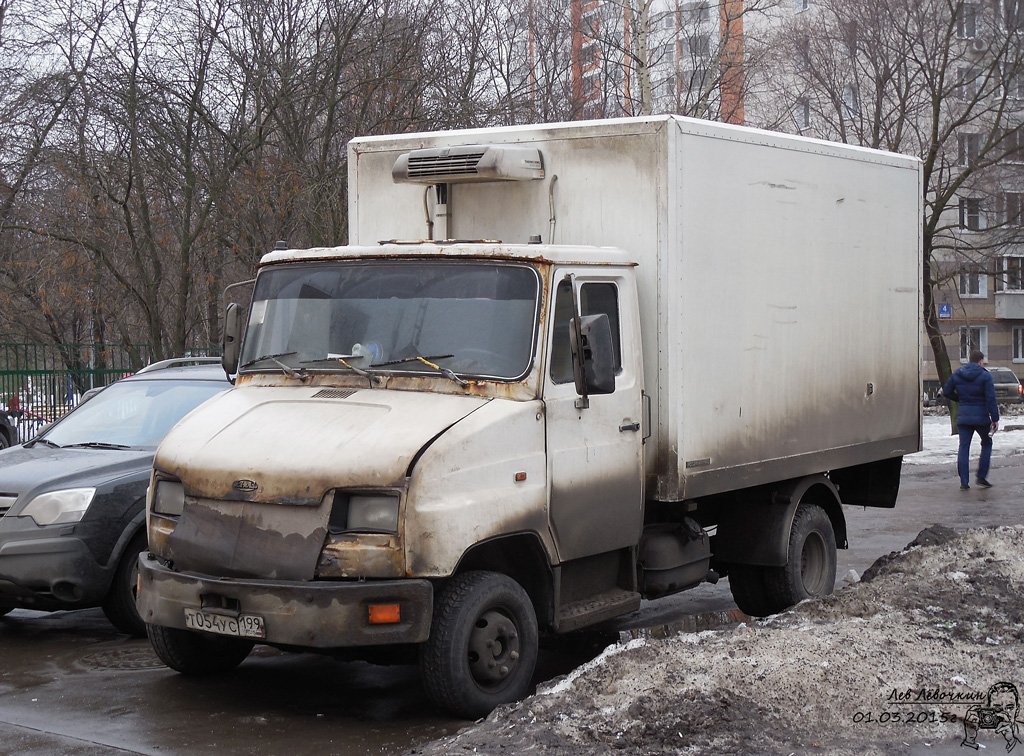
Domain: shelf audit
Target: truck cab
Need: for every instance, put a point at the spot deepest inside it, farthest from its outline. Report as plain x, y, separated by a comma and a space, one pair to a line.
465, 410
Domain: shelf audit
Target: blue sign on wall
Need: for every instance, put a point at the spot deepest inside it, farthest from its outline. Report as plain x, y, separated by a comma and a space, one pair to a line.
945, 311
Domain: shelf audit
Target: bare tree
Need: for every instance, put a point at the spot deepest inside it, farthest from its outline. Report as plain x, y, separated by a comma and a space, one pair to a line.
45, 54
934, 78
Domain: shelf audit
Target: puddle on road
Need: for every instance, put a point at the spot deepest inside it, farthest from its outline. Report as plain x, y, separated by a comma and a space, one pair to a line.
122, 658
691, 623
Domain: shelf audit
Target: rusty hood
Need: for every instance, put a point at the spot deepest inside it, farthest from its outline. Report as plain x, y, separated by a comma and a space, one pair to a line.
256, 463
291, 445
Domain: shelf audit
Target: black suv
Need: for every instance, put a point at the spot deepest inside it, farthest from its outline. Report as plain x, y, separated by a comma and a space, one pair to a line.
8, 435
72, 499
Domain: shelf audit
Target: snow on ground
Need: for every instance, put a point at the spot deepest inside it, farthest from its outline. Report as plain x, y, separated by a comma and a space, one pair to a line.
940, 446
890, 665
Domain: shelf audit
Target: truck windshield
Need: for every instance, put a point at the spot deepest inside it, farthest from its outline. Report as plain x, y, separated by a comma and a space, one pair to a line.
471, 318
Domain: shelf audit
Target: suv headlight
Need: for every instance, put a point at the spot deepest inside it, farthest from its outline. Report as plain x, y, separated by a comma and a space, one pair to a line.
373, 513
55, 507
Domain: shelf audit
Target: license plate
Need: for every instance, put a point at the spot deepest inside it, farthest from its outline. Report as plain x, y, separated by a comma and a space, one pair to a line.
243, 626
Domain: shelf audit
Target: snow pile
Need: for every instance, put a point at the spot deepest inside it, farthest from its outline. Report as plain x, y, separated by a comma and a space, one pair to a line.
941, 447
884, 666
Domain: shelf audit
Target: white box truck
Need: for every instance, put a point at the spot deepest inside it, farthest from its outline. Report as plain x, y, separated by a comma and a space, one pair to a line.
559, 369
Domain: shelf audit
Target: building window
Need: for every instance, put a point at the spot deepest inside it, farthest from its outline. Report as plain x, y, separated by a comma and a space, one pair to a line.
801, 5
968, 149
1011, 204
851, 101
970, 213
1010, 274
970, 82
696, 46
1018, 344
850, 37
1013, 14
664, 56
696, 82
803, 52
695, 13
972, 337
973, 283
1013, 83
666, 88
967, 21
802, 113
1012, 145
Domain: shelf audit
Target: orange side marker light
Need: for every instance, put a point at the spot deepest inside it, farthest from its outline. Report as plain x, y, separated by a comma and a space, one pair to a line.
385, 614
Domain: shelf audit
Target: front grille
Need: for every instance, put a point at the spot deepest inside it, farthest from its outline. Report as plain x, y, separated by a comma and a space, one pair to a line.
6, 502
334, 393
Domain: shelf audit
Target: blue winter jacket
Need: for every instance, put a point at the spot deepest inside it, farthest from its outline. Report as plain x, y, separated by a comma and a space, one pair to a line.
972, 386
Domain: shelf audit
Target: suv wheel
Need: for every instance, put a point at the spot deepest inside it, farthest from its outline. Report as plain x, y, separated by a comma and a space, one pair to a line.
119, 604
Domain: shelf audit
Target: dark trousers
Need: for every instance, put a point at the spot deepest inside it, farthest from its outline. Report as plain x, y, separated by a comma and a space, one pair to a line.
964, 454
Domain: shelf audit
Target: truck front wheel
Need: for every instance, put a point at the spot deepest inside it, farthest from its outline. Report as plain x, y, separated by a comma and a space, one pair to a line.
197, 654
482, 648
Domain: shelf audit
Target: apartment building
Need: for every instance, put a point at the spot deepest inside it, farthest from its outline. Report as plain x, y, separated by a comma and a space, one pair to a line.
834, 69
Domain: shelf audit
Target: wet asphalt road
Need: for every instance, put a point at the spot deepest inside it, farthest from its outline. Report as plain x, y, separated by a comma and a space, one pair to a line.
72, 686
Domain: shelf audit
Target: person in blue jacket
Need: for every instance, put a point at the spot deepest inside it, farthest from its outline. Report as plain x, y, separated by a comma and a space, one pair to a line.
973, 388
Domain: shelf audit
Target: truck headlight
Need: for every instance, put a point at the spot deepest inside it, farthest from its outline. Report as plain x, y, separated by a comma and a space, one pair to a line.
169, 498
377, 513
53, 507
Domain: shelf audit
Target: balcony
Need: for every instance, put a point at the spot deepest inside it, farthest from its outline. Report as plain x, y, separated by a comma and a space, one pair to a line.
1010, 305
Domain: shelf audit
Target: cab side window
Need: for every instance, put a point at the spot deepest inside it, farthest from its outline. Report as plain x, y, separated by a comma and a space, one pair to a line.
595, 299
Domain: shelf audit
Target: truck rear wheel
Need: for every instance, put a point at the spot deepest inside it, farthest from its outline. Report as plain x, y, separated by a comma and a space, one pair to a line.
197, 654
810, 571
482, 648
746, 581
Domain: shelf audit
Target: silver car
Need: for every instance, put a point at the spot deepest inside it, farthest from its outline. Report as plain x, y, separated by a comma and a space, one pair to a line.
1008, 388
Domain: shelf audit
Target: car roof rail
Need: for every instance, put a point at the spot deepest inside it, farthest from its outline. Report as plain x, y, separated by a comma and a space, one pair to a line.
178, 362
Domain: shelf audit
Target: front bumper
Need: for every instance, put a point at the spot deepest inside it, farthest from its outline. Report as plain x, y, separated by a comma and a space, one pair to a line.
321, 614
49, 569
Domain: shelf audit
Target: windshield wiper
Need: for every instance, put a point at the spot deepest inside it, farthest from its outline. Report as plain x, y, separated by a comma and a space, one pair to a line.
97, 445
342, 361
446, 372
43, 441
273, 357
288, 370
413, 359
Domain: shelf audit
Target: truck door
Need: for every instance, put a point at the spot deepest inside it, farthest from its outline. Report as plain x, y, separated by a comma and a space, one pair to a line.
595, 460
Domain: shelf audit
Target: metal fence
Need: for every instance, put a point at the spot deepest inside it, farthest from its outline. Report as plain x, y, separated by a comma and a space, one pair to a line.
41, 383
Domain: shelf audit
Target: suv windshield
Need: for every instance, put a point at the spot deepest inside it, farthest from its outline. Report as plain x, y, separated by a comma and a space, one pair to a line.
134, 414
470, 318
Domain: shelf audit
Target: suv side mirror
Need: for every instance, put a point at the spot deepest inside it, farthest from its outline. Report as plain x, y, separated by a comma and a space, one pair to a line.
231, 344
590, 339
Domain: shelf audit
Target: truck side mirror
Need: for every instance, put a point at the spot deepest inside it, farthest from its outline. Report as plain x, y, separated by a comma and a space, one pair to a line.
231, 345
590, 339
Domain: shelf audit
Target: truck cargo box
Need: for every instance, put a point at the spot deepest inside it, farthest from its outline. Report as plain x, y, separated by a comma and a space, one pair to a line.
779, 276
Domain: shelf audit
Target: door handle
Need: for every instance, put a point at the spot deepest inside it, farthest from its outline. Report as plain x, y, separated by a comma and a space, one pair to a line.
629, 427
